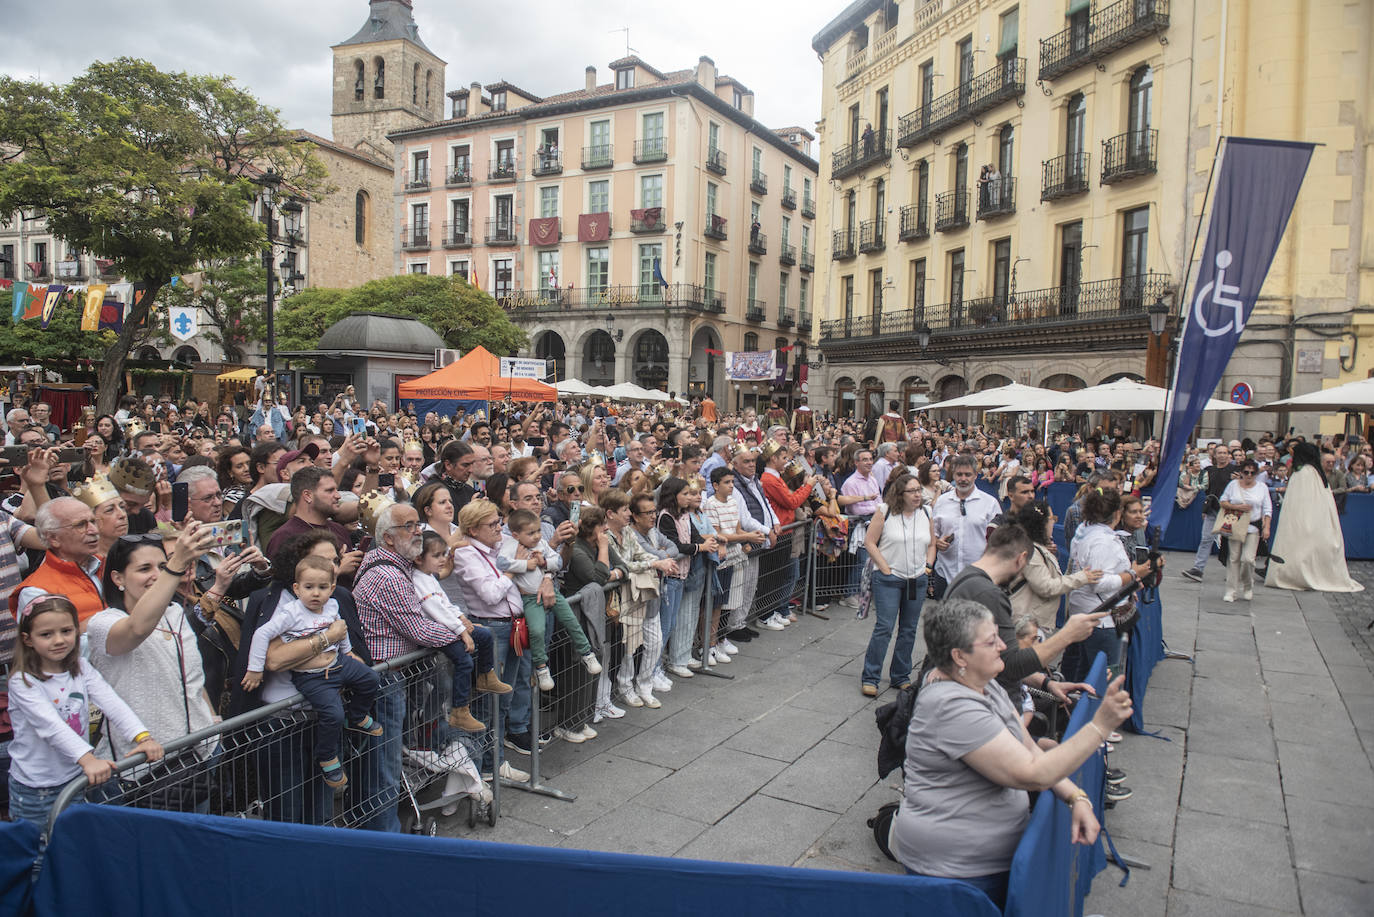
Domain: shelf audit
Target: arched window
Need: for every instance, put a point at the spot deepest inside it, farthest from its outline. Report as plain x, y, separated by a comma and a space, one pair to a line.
360, 81
378, 78
1138, 100
360, 206
751, 342
415, 86
429, 86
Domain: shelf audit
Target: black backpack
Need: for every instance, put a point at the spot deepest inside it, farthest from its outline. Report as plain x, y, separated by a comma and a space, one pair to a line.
882, 827
894, 719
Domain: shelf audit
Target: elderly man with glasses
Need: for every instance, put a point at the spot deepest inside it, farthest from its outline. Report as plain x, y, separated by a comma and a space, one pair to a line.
71, 567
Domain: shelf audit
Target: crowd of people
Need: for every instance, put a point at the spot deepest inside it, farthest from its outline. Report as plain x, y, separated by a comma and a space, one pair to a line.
175, 565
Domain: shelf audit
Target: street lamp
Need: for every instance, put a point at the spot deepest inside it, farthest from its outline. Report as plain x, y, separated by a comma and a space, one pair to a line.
923, 336
1159, 316
618, 334
270, 182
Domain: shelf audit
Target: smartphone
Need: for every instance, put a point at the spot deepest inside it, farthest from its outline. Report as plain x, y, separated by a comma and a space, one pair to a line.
223, 430
17, 456
80, 436
225, 533
386, 479
365, 544
181, 500
71, 456
359, 426
670, 452
575, 513
535, 441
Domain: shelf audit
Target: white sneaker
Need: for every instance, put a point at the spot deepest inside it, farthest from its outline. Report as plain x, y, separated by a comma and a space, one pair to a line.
576, 738
719, 656
545, 679
510, 772
662, 682
771, 623
631, 699
592, 663
1228, 596
850, 601
588, 732
678, 671
612, 711
729, 647
693, 665
649, 700
1248, 594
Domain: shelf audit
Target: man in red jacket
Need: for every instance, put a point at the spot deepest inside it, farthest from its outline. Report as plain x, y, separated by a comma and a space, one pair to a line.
785, 502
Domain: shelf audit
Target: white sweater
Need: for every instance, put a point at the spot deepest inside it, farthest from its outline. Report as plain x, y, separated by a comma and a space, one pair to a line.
435, 603
293, 621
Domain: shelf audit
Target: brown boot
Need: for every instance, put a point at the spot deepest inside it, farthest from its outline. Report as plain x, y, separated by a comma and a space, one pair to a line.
462, 718
489, 683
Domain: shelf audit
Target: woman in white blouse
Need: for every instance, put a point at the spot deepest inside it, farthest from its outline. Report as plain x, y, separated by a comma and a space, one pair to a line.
901, 542
1249, 498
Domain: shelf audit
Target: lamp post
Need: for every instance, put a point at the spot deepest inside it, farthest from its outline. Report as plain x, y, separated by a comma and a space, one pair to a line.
1157, 348
271, 185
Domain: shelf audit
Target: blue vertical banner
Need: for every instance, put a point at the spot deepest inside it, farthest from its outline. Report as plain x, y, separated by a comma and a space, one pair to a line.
1256, 187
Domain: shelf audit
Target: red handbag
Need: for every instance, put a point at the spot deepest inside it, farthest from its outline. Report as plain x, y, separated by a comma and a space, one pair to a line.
519, 636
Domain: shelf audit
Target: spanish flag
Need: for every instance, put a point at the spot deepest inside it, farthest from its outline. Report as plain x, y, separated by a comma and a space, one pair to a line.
473, 280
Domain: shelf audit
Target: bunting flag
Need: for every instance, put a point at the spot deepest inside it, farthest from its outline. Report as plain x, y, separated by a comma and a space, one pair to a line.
140, 290
50, 301
183, 322
21, 296
33, 306
111, 316
90, 315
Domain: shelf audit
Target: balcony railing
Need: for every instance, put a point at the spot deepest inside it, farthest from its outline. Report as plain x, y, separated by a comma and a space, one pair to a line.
1093, 37
652, 149
785, 317
808, 207
843, 244
951, 210
756, 310
787, 254
789, 199
915, 223
715, 161
715, 226
502, 232
457, 235
547, 163
415, 238
1129, 155
758, 243
807, 261
872, 235
997, 198
418, 181
1085, 303
601, 156
758, 182
986, 91
501, 170
804, 321
650, 219
1064, 176
689, 296
862, 153
459, 177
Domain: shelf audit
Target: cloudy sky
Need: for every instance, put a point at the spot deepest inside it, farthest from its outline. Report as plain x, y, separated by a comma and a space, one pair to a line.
280, 50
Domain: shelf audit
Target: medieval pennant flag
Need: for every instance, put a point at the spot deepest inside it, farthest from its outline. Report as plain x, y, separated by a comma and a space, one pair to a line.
50, 302
33, 306
140, 290
183, 322
90, 315
112, 316
21, 296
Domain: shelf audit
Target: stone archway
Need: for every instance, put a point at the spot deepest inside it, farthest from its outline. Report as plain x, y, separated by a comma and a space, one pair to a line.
548, 346
649, 353
706, 370
598, 358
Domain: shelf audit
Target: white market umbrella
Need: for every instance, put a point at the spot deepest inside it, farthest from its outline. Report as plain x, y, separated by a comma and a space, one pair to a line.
1121, 396
628, 391
651, 394
1350, 397
992, 397
573, 387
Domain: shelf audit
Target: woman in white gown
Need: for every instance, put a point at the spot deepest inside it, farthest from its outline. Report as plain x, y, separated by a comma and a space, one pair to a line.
1309, 535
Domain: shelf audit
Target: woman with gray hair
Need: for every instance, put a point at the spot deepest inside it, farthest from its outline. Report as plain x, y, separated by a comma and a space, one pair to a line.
970, 761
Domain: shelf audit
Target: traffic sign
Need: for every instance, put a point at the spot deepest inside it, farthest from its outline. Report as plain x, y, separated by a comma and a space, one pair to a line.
1241, 393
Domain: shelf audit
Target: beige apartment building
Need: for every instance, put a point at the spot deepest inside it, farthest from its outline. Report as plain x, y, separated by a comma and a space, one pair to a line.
636, 228
1013, 187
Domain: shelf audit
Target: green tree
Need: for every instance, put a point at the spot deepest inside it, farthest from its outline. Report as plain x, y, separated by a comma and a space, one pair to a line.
27, 341
463, 316
230, 300
150, 169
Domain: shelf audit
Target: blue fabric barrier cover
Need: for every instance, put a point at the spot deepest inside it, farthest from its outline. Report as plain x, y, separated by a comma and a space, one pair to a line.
122, 862
18, 850
1048, 874
1146, 647
986, 487
1059, 496
1357, 525
1185, 528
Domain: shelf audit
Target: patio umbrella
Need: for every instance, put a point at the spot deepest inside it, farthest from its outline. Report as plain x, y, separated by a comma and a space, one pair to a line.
1351, 397
992, 397
1121, 396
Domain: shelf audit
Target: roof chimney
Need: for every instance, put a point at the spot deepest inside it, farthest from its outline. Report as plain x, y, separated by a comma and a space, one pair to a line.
591, 78
474, 99
706, 73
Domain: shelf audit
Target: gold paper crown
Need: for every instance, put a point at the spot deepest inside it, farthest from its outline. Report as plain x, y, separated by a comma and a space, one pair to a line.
595, 459
658, 474
371, 505
132, 475
743, 448
132, 427
412, 444
793, 471
94, 491
770, 449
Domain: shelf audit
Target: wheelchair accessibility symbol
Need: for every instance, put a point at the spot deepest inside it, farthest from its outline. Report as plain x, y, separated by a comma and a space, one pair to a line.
1222, 294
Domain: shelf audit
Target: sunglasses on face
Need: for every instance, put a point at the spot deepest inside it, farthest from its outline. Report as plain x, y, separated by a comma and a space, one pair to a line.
573, 489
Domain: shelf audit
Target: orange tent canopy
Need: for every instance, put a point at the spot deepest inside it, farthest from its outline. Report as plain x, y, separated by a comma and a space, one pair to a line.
476, 376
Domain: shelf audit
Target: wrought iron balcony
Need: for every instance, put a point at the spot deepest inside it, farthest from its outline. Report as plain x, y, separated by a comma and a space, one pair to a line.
915, 223
1129, 155
502, 232
1064, 176
690, 297
415, 238
502, 170
809, 207
1093, 304
601, 156
997, 198
758, 243
715, 227
418, 181
1095, 36
862, 153
459, 177
758, 182
715, 161
808, 261
650, 219
804, 321
789, 199
652, 149
785, 318
713, 301
872, 236
787, 254
756, 311
951, 210
547, 163
457, 235
43, 272
986, 91
843, 244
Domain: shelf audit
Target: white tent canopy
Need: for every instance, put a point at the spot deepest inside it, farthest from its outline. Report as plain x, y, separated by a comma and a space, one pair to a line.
628, 391
1353, 396
992, 397
573, 387
1123, 395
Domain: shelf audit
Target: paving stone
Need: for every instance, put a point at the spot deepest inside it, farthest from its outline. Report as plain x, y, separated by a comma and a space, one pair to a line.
681, 738
1145, 895
1326, 894
786, 733
834, 693
1225, 641
1165, 708
1333, 838
1234, 859
710, 787
632, 828
1233, 786
859, 729
601, 783
849, 841
1290, 685
1238, 669
762, 830
509, 830
825, 777
1315, 724
1336, 775
1189, 904
1353, 679
1154, 770
1249, 738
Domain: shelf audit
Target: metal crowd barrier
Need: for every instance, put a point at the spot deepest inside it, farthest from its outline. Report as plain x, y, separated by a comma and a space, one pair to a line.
837, 559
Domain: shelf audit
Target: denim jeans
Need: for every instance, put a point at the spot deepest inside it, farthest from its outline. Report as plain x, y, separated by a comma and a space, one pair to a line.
1078, 659
461, 660
679, 642
33, 803
791, 573
382, 771
856, 572
1204, 548
515, 671
892, 608
324, 691
669, 603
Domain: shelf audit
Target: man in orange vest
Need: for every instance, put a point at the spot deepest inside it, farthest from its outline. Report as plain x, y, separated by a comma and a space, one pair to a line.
71, 567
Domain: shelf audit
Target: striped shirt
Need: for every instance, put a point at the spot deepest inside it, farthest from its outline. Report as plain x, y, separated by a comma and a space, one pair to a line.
389, 608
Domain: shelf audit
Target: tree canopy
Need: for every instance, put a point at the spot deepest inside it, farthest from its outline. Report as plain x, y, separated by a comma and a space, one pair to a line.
230, 300
153, 170
463, 316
